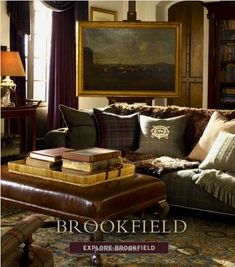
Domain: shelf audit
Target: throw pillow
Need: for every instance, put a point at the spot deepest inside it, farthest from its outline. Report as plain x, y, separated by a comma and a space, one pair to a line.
216, 124
222, 153
117, 132
81, 128
162, 137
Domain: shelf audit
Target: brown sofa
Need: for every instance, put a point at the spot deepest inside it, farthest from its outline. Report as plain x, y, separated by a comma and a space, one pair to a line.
181, 189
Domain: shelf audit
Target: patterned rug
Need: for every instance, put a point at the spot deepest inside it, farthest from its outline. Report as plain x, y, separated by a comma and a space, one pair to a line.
206, 242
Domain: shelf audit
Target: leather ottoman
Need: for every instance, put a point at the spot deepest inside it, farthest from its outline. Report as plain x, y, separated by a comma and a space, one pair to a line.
105, 201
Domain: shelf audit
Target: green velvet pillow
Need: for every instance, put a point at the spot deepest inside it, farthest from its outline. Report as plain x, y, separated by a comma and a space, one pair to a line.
81, 125
162, 137
222, 153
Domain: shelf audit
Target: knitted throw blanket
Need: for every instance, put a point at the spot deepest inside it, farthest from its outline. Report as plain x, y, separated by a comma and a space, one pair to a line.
220, 184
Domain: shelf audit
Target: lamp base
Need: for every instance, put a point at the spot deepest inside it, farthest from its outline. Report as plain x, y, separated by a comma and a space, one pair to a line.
7, 86
6, 98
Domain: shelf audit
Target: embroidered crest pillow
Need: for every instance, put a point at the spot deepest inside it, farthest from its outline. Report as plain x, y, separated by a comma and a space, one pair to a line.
162, 137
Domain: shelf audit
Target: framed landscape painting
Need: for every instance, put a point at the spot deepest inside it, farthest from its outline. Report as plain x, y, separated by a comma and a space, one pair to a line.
129, 59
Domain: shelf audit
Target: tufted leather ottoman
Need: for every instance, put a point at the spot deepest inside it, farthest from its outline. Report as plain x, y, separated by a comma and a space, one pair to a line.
105, 201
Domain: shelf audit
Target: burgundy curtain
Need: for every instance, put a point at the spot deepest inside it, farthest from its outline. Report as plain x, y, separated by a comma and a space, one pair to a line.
59, 5
62, 77
18, 12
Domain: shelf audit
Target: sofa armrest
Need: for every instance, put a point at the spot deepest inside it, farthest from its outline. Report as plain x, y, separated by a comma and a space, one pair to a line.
11, 253
20, 233
56, 138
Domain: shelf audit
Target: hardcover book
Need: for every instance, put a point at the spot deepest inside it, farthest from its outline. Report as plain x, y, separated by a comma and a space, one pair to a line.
52, 155
82, 173
43, 163
90, 167
91, 154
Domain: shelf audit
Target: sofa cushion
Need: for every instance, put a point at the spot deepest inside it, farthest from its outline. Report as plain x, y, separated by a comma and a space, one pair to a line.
216, 124
183, 191
81, 125
117, 132
222, 153
162, 137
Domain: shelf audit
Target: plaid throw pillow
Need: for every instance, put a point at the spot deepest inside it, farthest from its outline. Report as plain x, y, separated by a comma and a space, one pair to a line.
117, 132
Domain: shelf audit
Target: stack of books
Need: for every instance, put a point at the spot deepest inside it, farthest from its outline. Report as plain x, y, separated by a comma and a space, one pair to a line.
228, 52
228, 94
84, 167
90, 161
228, 74
47, 158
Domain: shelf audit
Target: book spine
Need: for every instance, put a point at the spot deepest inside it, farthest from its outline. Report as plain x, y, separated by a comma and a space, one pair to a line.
43, 157
74, 171
91, 158
127, 170
37, 163
228, 90
91, 166
43, 164
106, 156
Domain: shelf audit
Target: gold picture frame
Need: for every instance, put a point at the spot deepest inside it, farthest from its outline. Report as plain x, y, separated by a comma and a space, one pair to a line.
100, 14
129, 59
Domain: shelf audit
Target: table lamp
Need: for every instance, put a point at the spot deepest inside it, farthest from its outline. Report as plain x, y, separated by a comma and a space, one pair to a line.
11, 65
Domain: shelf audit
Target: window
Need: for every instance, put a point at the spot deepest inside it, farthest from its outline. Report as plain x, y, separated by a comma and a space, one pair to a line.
38, 52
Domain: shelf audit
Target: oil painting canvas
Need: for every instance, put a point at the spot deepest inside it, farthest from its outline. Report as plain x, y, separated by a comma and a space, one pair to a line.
129, 59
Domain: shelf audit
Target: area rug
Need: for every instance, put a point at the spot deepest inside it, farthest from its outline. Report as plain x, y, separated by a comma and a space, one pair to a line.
206, 242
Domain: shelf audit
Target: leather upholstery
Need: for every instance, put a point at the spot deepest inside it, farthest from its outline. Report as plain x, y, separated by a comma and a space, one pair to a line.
100, 202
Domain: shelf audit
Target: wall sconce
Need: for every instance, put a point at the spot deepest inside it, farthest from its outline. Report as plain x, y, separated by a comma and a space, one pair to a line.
11, 65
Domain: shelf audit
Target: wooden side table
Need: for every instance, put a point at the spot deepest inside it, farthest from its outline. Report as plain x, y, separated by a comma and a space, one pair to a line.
25, 113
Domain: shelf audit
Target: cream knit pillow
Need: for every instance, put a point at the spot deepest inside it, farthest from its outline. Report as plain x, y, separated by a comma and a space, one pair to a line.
216, 124
222, 154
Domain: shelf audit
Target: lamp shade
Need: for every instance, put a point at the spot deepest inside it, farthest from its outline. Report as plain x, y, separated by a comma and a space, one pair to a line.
11, 64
